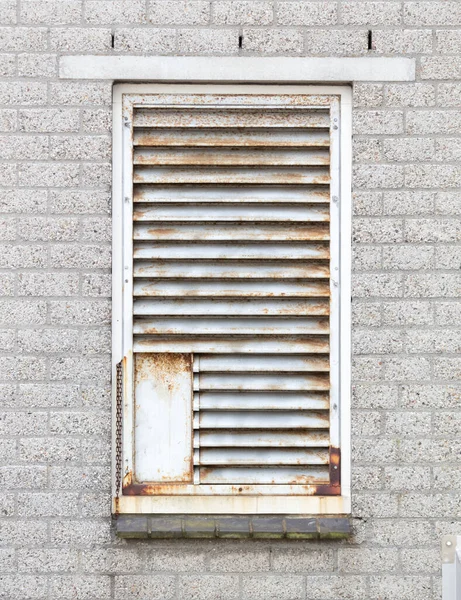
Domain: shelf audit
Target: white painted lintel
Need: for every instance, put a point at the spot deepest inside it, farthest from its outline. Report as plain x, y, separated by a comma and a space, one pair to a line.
236, 69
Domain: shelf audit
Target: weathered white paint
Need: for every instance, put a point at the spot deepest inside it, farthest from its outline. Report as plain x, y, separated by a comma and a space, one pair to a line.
236, 69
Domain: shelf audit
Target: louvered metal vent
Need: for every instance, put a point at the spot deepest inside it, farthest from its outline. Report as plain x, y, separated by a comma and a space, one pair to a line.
232, 265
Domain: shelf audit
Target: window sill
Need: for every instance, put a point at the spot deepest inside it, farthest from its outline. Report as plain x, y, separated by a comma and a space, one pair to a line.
234, 527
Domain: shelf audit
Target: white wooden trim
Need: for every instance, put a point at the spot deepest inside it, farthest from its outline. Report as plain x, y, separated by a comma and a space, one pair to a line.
225, 504
237, 69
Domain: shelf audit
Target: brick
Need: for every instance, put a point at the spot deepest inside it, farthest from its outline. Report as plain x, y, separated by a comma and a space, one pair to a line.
95, 396
80, 257
432, 13
381, 176
74, 478
18, 587
306, 13
209, 41
445, 67
83, 423
424, 451
78, 202
320, 587
366, 423
97, 175
22, 368
96, 285
7, 559
23, 39
366, 150
368, 122
408, 202
80, 312
405, 588
8, 450
366, 258
22, 532
448, 41
402, 533
430, 285
47, 340
273, 41
37, 65
47, 560
367, 203
409, 94
49, 174
447, 313
237, 559
77, 39
168, 559
339, 42
405, 41
409, 149
449, 94
32, 256
411, 368
448, 257
373, 450
6, 285
433, 230
47, 505
374, 504
407, 478
84, 533
368, 94
49, 120
430, 396
8, 176
102, 12
447, 477
161, 587
408, 257
96, 505
81, 586
365, 560
8, 12
447, 368
23, 147
282, 587
97, 120
407, 424
433, 121
243, 12
112, 560
377, 342
432, 176
179, 12
27, 312
25, 477
96, 341
377, 284
420, 560
80, 147
50, 12
366, 478
434, 341
366, 314
90, 369
78, 92
7, 65
448, 149
374, 230
8, 119
371, 13
44, 229
162, 41
32, 395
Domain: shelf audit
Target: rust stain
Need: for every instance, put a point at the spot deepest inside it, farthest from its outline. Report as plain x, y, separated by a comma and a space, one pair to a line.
127, 480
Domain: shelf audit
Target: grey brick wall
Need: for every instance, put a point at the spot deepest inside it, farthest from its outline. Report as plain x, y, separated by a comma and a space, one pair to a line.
56, 539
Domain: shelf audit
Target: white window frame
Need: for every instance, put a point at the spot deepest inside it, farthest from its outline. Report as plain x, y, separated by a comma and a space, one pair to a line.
340, 247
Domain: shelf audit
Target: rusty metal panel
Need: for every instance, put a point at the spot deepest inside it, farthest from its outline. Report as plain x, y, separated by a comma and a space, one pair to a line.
231, 275
163, 437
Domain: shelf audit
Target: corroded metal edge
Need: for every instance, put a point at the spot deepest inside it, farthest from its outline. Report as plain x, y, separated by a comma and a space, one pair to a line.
229, 526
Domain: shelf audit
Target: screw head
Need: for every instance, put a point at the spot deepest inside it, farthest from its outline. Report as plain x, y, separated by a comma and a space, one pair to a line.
448, 543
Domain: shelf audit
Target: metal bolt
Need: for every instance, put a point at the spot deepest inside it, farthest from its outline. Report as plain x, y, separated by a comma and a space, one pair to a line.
448, 543
335, 199
334, 126
127, 199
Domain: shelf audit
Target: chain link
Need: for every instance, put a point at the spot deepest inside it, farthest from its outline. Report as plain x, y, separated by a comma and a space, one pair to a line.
118, 430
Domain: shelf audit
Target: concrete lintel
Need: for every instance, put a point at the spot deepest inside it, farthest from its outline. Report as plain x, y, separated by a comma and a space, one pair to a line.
236, 69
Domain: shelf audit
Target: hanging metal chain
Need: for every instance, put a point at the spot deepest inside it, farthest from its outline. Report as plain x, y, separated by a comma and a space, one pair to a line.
118, 429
